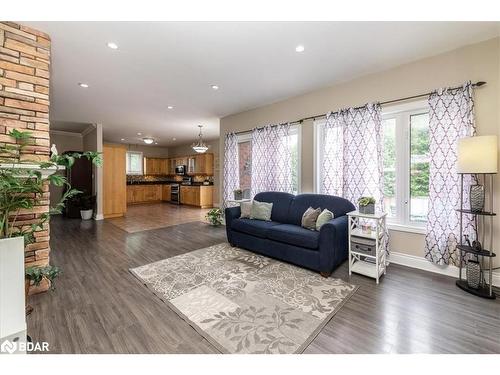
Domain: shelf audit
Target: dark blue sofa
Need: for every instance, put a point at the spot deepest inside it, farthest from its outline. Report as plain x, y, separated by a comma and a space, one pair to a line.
283, 238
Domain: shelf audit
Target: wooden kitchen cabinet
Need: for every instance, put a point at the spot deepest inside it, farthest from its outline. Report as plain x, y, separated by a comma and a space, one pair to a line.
115, 180
201, 196
156, 166
144, 193
166, 193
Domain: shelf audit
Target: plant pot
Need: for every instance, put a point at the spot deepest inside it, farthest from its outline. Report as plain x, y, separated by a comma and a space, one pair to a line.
12, 286
238, 196
368, 209
86, 214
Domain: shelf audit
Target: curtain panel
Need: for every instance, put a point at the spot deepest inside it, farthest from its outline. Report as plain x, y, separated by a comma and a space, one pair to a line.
352, 162
451, 117
231, 176
271, 159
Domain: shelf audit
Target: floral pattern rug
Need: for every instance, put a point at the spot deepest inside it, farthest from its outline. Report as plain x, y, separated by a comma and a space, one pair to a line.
244, 302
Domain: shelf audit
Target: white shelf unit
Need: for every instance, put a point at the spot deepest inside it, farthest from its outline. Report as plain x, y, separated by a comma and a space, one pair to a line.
373, 266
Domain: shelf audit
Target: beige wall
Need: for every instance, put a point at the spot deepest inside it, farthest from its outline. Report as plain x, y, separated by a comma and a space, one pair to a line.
213, 147
477, 62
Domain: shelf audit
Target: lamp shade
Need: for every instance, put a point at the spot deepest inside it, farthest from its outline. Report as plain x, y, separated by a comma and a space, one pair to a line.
478, 154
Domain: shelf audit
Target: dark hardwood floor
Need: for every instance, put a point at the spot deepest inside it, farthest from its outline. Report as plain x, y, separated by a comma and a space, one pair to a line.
99, 307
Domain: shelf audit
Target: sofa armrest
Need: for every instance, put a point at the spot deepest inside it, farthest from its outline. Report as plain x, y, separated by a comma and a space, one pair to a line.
231, 213
333, 245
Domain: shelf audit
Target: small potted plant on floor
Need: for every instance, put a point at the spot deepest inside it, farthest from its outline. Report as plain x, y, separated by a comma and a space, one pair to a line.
214, 217
86, 204
35, 275
366, 205
238, 194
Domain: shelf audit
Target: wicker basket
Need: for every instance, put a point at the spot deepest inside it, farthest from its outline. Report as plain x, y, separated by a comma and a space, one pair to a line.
473, 270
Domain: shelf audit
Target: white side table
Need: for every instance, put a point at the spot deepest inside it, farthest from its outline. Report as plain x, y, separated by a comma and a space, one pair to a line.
238, 201
369, 259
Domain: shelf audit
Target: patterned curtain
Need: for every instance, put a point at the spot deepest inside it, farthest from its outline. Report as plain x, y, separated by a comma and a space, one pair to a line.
352, 164
231, 176
271, 159
451, 117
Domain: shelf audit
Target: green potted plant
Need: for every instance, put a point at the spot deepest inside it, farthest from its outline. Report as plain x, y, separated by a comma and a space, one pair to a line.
35, 275
86, 204
214, 217
366, 205
238, 194
22, 185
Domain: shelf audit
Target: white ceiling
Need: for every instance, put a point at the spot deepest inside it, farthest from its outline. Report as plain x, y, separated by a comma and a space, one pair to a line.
175, 63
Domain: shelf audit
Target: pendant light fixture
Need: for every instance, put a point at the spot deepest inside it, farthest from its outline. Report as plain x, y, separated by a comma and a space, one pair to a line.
200, 146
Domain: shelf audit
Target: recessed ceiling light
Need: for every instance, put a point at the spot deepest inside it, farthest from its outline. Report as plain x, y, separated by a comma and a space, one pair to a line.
139, 133
148, 141
112, 45
215, 87
123, 139
84, 85
170, 107
299, 48
174, 139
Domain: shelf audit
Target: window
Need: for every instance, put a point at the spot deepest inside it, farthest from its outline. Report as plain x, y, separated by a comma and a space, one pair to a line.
406, 163
134, 162
245, 160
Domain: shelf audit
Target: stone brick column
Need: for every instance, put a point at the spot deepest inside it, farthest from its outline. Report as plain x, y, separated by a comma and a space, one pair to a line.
24, 105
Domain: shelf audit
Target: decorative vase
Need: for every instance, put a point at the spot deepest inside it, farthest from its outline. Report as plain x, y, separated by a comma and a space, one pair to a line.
368, 209
86, 214
476, 197
238, 196
473, 271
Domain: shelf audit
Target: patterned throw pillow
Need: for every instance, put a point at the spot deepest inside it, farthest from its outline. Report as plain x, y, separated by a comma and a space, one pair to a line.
246, 210
323, 218
309, 218
261, 210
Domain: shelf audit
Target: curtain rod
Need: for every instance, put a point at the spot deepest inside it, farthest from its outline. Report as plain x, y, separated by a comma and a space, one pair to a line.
300, 121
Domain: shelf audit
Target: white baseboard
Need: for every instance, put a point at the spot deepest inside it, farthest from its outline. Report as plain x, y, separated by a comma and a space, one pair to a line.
99, 217
423, 264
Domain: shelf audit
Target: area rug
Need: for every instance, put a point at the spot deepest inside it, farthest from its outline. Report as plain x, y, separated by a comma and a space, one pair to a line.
242, 302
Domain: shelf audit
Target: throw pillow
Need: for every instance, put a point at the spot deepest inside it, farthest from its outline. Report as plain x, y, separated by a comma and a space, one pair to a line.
261, 210
309, 218
246, 210
323, 218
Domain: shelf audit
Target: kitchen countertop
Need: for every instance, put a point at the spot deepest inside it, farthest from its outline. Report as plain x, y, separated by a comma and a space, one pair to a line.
165, 183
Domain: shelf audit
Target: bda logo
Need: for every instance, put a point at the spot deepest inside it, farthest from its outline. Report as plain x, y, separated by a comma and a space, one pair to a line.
8, 347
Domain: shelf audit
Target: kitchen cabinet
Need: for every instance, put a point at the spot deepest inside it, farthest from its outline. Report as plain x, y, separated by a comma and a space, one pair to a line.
201, 196
199, 164
156, 166
144, 193
166, 193
115, 180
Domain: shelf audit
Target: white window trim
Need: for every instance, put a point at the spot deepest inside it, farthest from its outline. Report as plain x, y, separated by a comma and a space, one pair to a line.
127, 171
396, 224
247, 136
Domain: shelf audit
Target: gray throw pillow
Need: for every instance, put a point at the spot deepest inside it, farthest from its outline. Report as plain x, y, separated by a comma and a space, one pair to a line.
323, 218
246, 210
309, 218
261, 210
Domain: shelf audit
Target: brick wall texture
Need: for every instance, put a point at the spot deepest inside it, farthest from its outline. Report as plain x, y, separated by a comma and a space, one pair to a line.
24, 105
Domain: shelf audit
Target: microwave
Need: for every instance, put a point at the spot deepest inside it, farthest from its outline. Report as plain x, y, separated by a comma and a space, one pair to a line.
180, 170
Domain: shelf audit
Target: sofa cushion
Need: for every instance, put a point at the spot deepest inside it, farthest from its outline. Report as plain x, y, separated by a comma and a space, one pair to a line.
257, 228
261, 210
339, 206
281, 204
294, 235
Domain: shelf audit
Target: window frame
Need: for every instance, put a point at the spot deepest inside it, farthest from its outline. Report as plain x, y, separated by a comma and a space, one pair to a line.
402, 113
295, 129
127, 164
